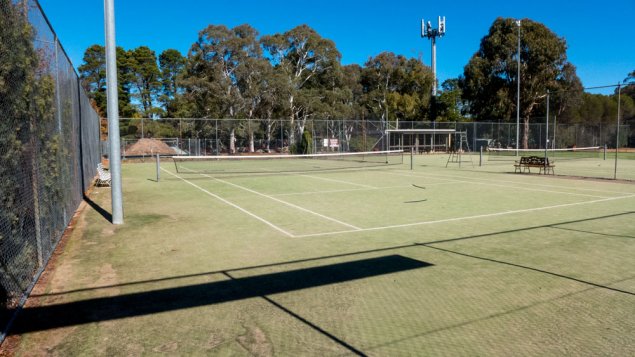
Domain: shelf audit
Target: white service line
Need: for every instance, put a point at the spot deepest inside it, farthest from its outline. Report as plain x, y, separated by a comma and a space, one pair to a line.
284, 202
467, 218
499, 185
340, 181
233, 205
339, 191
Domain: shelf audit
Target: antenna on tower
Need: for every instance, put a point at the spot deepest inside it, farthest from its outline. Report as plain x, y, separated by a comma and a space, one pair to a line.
431, 33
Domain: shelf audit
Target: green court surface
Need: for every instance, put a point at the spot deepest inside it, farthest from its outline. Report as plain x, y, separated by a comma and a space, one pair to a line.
382, 261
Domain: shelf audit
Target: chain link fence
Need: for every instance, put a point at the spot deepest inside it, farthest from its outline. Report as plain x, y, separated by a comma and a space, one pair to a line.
235, 136
49, 148
143, 138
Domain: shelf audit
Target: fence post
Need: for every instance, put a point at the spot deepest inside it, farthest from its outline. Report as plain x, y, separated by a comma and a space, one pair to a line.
158, 166
617, 132
474, 137
411, 158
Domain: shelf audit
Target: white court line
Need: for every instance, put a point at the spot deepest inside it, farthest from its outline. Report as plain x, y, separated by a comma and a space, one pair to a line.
467, 217
284, 202
340, 181
527, 183
498, 185
339, 191
234, 205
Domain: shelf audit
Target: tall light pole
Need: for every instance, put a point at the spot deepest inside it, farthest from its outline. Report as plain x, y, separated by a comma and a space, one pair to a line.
518, 92
113, 112
428, 32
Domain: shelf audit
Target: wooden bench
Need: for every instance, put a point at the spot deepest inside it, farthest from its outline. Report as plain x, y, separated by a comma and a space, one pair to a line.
527, 162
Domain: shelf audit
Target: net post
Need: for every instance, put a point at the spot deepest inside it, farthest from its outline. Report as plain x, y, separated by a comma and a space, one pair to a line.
411, 158
480, 162
604, 152
617, 131
158, 166
547, 135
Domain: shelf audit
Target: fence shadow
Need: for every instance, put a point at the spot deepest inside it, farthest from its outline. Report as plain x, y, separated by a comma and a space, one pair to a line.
150, 302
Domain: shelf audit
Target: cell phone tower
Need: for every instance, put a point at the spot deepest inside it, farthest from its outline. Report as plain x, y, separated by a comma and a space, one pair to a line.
428, 32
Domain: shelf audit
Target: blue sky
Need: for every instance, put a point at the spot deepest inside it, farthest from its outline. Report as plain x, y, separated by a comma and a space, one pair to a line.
600, 35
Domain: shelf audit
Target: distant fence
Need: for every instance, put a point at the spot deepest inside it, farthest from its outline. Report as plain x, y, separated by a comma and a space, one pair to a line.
235, 136
49, 148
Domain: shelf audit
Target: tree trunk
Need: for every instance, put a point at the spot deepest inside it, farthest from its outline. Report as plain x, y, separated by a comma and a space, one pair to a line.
291, 123
232, 141
269, 129
301, 125
526, 133
251, 140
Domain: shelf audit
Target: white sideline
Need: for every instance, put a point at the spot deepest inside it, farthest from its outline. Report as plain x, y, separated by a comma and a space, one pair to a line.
523, 183
467, 217
496, 185
233, 205
283, 202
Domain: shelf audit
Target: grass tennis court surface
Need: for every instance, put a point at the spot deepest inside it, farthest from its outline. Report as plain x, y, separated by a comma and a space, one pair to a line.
379, 261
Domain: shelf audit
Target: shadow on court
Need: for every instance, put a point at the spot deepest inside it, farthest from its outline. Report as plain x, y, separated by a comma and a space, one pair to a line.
151, 302
107, 215
342, 255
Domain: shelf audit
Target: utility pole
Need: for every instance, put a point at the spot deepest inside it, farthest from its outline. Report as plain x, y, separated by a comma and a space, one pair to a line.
113, 112
428, 32
518, 92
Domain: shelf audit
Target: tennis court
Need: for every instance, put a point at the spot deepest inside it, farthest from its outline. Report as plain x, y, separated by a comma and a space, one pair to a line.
378, 260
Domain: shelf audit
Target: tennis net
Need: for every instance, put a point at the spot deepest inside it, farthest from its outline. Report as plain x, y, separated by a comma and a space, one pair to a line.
594, 152
282, 163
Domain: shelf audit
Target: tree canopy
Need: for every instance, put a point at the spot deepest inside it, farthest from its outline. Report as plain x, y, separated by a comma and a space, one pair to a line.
490, 78
297, 75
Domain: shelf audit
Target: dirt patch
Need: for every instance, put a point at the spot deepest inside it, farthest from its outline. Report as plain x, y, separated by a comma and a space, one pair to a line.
255, 341
38, 294
215, 339
149, 147
168, 347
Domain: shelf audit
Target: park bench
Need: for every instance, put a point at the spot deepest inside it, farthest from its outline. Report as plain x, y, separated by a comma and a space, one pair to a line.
527, 162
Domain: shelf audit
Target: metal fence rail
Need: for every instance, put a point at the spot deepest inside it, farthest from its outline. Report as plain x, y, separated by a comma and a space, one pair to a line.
233, 136
238, 136
49, 148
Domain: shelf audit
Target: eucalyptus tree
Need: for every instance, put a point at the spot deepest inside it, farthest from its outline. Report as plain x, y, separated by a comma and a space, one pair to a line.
449, 103
396, 85
301, 54
93, 77
255, 83
489, 81
145, 78
274, 91
214, 73
629, 88
171, 66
